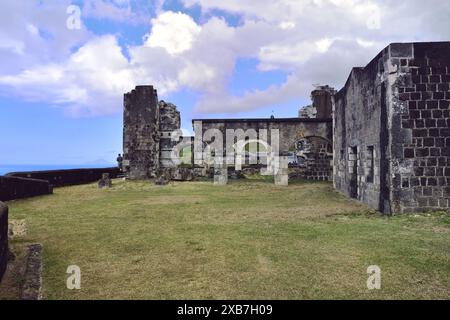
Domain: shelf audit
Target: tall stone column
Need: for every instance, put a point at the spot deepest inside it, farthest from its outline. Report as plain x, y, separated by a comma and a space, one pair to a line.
220, 171
281, 176
141, 133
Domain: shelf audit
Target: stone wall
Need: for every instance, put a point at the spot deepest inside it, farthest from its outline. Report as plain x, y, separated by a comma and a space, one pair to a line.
170, 121
12, 188
391, 130
141, 133
357, 131
3, 238
421, 126
291, 132
69, 177
323, 99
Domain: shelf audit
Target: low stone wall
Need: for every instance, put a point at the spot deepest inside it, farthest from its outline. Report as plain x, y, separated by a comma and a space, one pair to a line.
61, 178
12, 188
3, 238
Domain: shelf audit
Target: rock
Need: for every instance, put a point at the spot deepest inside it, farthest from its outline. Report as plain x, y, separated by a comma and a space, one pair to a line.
105, 181
220, 174
183, 174
163, 177
250, 171
236, 175
200, 172
281, 177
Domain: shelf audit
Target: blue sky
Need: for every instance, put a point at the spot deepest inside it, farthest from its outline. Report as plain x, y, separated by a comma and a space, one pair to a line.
61, 88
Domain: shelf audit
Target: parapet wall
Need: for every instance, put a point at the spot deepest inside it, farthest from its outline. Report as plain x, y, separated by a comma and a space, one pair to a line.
61, 178
12, 188
3, 238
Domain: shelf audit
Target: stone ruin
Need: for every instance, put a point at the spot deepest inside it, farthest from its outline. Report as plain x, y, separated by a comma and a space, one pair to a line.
392, 130
105, 181
383, 139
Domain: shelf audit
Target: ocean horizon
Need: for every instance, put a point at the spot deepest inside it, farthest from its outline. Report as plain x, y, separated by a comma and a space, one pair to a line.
8, 168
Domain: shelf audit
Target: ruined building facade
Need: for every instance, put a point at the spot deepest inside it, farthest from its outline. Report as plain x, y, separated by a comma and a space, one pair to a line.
308, 142
147, 129
383, 139
392, 130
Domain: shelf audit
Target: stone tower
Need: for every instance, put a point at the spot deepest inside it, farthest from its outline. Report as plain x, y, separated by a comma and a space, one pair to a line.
141, 133
168, 125
322, 99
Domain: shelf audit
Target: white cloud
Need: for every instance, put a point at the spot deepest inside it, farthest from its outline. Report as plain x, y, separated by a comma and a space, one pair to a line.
313, 41
174, 32
324, 44
33, 33
85, 83
286, 25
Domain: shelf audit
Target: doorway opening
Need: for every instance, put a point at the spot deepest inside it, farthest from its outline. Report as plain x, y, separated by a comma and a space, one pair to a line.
353, 170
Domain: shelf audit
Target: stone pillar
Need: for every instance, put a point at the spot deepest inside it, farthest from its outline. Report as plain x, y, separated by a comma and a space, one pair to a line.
105, 181
281, 176
141, 133
220, 172
322, 99
169, 123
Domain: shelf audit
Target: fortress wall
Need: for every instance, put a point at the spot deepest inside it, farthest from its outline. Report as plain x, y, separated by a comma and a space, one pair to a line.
3, 238
391, 130
69, 177
12, 188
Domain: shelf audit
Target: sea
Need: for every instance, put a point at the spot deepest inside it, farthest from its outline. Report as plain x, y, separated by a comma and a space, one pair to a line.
4, 169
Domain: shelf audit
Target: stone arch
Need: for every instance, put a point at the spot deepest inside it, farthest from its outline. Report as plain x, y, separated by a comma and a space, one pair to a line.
259, 158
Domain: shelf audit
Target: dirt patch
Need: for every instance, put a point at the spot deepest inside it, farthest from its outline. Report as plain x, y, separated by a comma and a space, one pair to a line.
440, 230
264, 264
17, 228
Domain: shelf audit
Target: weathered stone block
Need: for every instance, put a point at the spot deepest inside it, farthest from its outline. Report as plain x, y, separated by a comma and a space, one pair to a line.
105, 181
221, 175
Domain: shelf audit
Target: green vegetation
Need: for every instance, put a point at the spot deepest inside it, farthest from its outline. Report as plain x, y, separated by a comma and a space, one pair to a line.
249, 239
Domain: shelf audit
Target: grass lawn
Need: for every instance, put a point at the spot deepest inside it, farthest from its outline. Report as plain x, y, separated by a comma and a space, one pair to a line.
246, 240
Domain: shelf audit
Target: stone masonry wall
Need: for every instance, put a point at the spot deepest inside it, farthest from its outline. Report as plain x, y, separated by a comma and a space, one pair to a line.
170, 121
12, 188
358, 144
291, 131
141, 133
391, 130
68, 177
422, 144
3, 238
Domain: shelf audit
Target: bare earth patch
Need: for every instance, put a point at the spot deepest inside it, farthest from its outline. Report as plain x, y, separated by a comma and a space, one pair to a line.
17, 228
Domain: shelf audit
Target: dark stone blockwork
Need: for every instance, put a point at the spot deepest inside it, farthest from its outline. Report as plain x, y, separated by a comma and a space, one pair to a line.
3, 239
62, 178
140, 133
398, 105
12, 188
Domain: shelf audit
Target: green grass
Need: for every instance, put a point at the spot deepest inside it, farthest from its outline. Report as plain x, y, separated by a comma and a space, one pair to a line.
246, 240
